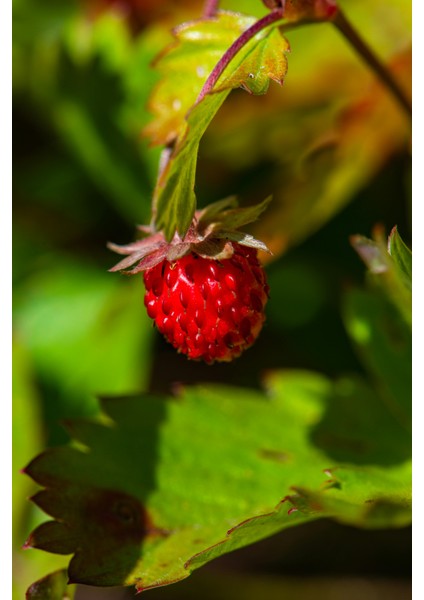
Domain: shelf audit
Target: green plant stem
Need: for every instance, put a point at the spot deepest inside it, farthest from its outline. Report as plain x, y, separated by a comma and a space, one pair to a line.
349, 32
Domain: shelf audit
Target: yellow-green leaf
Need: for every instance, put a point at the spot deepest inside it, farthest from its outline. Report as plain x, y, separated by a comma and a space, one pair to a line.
183, 122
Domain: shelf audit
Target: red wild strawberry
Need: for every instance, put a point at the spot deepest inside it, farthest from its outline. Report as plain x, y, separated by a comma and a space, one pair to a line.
208, 309
206, 292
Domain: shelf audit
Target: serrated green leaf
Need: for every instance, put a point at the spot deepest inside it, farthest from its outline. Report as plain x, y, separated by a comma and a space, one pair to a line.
352, 495
401, 255
174, 197
150, 501
185, 66
264, 62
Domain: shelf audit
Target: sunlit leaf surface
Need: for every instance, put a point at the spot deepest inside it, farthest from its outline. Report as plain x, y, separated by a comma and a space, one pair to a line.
185, 66
182, 502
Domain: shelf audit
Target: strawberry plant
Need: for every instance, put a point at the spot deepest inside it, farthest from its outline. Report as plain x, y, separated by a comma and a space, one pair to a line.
175, 453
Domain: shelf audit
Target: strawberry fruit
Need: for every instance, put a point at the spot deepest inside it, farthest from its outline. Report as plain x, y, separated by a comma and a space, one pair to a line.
206, 291
208, 309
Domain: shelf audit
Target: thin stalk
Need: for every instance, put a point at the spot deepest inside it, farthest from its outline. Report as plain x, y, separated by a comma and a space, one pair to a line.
210, 8
340, 22
246, 36
381, 70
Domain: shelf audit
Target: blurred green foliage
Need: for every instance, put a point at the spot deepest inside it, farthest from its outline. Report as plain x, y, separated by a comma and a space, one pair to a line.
331, 146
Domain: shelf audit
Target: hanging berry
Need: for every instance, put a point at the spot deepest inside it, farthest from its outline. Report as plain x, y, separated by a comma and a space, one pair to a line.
206, 292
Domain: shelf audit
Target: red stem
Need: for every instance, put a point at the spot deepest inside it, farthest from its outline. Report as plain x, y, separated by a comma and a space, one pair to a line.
380, 69
269, 19
210, 8
338, 19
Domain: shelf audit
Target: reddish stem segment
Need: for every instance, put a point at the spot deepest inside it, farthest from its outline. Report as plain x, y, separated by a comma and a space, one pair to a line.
269, 19
210, 9
342, 24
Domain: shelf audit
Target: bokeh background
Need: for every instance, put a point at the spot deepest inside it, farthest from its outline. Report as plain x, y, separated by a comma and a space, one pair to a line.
333, 148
